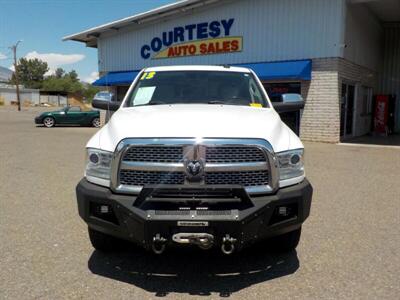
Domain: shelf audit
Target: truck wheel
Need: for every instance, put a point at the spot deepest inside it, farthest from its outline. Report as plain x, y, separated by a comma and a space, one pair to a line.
285, 242
103, 242
96, 122
49, 122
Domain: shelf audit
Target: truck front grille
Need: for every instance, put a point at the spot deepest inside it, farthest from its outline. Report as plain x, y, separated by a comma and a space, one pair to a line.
234, 154
154, 154
175, 154
166, 161
244, 178
141, 178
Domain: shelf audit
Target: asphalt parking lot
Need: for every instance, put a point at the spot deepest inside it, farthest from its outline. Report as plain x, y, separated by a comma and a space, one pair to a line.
349, 247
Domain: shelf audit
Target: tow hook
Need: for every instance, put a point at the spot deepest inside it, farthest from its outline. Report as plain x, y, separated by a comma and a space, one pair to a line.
158, 245
228, 244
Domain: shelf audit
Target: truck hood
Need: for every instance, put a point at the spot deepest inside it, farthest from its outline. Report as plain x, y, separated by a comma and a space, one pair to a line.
194, 121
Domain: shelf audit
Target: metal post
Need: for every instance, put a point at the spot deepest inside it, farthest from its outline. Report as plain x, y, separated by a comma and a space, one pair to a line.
14, 49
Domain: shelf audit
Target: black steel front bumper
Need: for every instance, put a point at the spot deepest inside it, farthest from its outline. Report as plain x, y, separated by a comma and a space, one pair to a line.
140, 218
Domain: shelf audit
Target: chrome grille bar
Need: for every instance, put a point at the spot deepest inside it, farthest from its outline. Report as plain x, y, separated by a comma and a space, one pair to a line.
232, 167
180, 167
196, 149
152, 166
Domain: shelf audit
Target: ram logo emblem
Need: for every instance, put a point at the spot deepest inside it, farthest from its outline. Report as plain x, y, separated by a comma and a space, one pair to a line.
194, 168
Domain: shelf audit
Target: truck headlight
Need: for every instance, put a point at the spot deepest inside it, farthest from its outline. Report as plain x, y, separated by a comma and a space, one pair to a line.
291, 164
98, 166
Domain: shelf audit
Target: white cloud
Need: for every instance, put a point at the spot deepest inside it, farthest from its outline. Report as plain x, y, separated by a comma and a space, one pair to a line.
92, 77
55, 60
12, 68
3, 56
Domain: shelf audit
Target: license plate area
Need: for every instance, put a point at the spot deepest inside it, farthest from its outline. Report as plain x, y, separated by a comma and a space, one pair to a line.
193, 223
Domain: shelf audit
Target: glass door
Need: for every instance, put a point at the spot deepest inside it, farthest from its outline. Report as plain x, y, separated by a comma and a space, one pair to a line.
347, 110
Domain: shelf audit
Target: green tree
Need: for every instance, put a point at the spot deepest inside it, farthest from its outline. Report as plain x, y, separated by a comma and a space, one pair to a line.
61, 81
73, 75
59, 73
53, 84
64, 84
89, 91
31, 72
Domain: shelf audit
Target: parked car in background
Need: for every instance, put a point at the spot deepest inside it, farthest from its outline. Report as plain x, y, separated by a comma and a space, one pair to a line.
73, 115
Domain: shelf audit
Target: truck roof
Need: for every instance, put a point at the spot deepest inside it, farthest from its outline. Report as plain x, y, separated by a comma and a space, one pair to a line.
198, 68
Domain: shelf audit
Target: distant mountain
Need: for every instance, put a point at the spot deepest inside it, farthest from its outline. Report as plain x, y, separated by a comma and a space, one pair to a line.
5, 74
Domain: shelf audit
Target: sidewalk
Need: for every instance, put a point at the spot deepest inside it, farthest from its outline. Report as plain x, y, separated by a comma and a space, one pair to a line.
391, 140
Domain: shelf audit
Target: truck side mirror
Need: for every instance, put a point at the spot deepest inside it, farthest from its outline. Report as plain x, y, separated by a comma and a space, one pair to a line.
289, 103
105, 100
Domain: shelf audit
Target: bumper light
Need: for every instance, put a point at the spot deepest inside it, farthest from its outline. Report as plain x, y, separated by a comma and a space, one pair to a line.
284, 213
103, 212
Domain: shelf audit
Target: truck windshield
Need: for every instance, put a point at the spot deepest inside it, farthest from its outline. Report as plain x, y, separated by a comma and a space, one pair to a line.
196, 87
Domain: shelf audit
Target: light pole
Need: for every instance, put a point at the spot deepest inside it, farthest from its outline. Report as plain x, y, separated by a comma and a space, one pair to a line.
14, 49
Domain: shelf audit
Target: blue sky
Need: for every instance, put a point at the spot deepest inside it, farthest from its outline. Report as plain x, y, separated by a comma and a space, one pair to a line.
41, 24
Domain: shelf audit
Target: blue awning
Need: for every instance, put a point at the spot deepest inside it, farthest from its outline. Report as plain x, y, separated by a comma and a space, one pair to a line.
284, 70
116, 78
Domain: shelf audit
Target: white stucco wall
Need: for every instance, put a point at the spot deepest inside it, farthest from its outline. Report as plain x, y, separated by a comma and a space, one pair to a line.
363, 37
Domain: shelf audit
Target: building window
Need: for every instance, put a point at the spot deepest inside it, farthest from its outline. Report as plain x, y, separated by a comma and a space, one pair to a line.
276, 89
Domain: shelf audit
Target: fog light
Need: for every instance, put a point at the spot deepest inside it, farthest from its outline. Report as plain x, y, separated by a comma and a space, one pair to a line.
104, 209
283, 211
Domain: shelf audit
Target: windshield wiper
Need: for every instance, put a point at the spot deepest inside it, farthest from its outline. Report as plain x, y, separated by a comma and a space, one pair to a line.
156, 103
216, 102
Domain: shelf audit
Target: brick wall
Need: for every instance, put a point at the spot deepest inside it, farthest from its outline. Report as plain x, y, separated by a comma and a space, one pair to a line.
321, 117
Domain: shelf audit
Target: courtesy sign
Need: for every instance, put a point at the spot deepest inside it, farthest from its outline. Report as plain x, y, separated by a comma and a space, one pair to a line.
194, 39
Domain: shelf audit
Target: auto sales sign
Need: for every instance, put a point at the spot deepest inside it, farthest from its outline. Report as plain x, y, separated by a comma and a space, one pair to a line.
194, 39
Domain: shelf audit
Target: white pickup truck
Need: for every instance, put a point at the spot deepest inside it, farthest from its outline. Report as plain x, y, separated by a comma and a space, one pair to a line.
195, 155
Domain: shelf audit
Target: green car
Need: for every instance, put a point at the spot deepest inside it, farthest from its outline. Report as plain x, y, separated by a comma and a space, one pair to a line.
69, 115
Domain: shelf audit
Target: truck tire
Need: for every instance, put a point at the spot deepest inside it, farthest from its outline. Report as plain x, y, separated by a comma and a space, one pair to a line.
286, 242
103, 242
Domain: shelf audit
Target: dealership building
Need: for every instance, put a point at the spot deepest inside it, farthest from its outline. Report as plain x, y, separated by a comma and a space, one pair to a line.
339, 54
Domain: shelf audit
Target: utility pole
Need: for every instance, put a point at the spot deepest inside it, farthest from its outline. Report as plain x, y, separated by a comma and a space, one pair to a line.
14, 49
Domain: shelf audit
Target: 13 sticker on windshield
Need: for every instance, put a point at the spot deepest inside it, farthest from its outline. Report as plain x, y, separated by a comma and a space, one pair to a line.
148, 75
